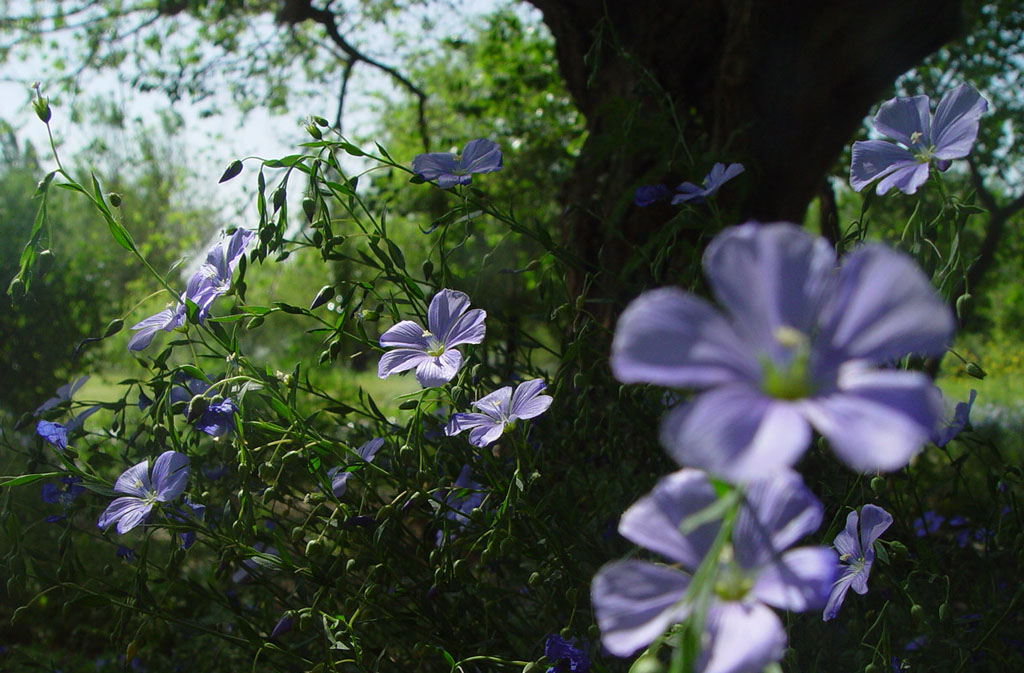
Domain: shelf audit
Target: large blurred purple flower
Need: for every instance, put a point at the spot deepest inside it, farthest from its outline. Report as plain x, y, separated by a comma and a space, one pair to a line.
211, 280
339, 476
635, 601
719, 175
949, 135
170, 472
856, 554
432, 351
794, 348
499, 410
478, 156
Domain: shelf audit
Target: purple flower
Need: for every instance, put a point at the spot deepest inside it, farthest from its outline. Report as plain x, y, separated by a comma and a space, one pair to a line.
635, 601
54, 433
457, 508
949, 135
793, 349
195, 513
170, 472
62, 495
565, 656
283, 625
339, 477
478, 156
928, 524
856, 554
432, 351
647, 194
214, 277
64, 394
719, 175
961, 419
500, 410
211, 280
166, 320
125, 553
218, 419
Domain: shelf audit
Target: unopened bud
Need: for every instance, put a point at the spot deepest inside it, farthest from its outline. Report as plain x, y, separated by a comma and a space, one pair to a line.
325, 294
320, 121
115, 199
878, 485
309, 208
42, 107
16, 289
975, 370
312, 130
113, 328
963, 302
44, 262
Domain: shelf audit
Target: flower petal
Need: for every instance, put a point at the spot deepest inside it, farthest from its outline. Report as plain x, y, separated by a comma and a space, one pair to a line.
147, 328
847, 542
769, 276
496, 405
884, 308
838, 594
437, 371
873, 522
877, 420
736, 433
904, 177
483, 435
400, 360
634, 602
873, 159
54, 433
688, 191
956, 122
777, 512
434, 164
719, 175
527, 401
170, 473
404, 334
481, 156
459, 422
671, 338
135, 480
445, 308
368, 450
469, 328
900, 118
656, 520
744, 638
800, 580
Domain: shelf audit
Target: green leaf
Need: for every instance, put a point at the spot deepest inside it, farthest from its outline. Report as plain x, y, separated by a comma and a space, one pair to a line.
11, 482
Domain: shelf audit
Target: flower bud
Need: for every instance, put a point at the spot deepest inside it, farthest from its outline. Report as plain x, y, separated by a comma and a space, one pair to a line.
325, 294
115, 199
878, 485
113, 327
320, 121
16, 289
233, 169
312, 130
309, 208
42, 107
975, 370
963, 302
44, 262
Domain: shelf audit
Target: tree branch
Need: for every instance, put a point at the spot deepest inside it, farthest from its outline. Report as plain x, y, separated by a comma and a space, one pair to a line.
296, 11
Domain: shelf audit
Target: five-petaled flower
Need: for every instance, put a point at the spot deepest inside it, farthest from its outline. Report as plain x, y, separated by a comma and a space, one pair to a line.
719, 175
478, 156
211, 280
143, 491
635, 601
794, 349
948, 135
856, 554
432, 351
500, 410
339, 475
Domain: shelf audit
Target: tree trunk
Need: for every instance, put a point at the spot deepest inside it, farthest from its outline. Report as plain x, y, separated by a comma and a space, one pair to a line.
670, 88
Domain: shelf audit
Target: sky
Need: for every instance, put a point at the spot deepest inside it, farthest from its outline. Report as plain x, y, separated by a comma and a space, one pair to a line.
212, 142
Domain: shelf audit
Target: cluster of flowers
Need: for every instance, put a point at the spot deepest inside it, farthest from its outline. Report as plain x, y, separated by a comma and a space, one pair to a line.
805, 341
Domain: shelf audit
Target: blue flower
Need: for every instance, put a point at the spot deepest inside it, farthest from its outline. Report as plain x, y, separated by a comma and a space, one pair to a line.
64, 394
793, 350
211, 280
457, 508
170, 473
62, 495
635, 601
500, 410
856, 554
565, 656
948, 135
961, 420
928, 524
647, 194
719, 175
54, 433
478, 156
218, 419
432, 351
339, 476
